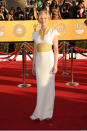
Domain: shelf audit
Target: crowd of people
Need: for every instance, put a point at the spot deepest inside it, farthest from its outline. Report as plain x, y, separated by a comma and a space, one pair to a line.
58, 9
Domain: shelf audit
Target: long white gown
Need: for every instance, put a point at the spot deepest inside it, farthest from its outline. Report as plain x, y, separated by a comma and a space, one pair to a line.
45, 78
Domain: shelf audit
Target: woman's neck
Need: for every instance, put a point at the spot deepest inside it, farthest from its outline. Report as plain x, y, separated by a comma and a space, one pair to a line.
44, 28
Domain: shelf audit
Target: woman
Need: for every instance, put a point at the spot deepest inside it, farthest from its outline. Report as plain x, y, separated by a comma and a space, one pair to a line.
47, 6
55, 12
81, 9
45, 67
10, 16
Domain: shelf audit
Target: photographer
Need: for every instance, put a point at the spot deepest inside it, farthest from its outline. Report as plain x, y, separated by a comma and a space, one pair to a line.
19, 14
29, 10
10, 16
1, 14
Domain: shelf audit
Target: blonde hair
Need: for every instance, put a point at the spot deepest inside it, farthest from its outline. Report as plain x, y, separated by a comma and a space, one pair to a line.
45, 12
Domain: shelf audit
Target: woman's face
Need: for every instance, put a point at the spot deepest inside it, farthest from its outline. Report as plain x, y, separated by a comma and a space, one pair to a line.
47, 4
12, 12
43, 19
54, 3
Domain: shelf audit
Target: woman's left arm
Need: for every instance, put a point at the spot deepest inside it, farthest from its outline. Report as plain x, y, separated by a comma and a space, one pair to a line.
55, 44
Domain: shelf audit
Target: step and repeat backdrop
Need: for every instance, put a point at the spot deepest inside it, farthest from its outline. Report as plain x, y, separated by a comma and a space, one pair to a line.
71, 29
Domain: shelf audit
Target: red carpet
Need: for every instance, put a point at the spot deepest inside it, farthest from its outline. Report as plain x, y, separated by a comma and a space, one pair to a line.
17, 104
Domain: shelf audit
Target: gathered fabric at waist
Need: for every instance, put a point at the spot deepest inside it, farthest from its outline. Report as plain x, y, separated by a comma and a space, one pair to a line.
44, 47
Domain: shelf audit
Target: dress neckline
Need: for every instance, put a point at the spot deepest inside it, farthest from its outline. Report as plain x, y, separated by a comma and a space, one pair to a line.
43, 34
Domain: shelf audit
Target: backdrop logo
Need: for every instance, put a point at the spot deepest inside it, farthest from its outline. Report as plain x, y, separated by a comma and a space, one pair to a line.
2, 31
60, 28
19, 30
79, 29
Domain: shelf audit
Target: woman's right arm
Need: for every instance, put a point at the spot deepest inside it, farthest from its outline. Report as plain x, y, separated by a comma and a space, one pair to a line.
34, 59
34, 54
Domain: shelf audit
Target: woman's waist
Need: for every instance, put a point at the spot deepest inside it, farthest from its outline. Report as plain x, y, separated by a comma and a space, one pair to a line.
44, 47
45, 54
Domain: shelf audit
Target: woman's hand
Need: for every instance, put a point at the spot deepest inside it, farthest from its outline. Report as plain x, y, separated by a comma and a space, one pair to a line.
54, 71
